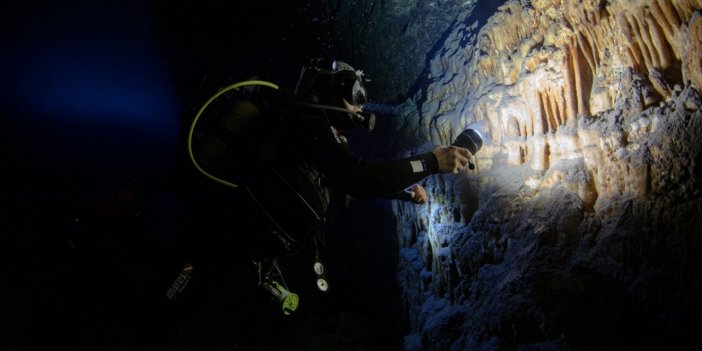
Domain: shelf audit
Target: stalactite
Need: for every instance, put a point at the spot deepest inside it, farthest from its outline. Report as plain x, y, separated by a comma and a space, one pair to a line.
683, 9
606, 30
553, 111
661, 43
569, 84
667, 27
546, 155
586, 50
512, 127
645, 35
544, 115
671, 13
632, 49
560, 99
598, 40
583, 77
560, 83
531, 123
575, 69
638, 41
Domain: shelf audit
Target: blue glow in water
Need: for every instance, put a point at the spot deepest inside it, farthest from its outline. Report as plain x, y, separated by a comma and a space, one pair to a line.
86, 98
90, 62
137, 92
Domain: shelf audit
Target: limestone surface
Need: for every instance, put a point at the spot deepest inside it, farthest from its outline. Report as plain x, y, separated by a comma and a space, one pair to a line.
578, 227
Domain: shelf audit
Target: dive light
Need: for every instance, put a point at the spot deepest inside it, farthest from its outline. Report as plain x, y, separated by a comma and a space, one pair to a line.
472, 138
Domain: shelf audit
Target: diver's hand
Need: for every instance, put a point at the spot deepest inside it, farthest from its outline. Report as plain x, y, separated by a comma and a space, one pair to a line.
452, 159
419, 195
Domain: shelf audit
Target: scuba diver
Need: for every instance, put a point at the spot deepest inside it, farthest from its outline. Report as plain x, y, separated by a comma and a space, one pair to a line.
289, 154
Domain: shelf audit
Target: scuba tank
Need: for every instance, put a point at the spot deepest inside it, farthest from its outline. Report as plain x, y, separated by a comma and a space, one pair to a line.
236, 139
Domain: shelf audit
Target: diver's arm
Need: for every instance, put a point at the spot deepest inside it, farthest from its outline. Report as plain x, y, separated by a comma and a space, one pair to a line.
374, 178
387, 178
364, 178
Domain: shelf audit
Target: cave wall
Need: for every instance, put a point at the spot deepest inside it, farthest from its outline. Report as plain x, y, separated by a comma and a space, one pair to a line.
576, 230
389, 39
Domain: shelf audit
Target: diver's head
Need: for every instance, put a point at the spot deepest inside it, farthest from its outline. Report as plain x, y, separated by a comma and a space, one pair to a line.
336, 84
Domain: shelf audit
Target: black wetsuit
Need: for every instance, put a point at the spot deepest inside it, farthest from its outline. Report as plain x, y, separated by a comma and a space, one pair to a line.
291, 169
306, 162
322, 145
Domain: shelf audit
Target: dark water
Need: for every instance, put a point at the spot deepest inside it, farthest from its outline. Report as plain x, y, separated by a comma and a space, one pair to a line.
102, 207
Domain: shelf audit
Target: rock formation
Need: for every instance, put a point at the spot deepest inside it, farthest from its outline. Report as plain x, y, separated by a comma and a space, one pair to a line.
577, 228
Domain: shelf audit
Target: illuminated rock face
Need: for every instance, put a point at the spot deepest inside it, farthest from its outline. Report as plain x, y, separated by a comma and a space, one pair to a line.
578, 228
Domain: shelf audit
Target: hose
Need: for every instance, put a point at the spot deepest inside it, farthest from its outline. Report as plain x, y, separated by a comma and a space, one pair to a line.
199, 113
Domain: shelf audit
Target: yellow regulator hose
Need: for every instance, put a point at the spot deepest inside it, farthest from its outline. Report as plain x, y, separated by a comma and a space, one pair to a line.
199, 113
